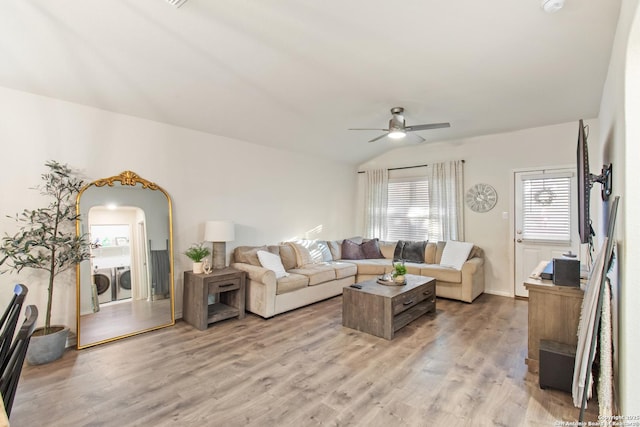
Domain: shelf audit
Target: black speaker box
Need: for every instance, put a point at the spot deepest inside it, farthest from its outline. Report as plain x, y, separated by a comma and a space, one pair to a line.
556, 365
566, 272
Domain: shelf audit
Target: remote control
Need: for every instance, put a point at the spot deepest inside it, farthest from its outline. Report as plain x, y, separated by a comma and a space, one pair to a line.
357, 286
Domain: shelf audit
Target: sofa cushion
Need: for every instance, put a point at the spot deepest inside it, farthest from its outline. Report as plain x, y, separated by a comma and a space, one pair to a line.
318, 249
248, 254
274, 249
455, 254
335, 247
444, 274
414, 267
291, 283
288, 257
317, 273
303, 255
373, 266
475, 252
323, 247
344, 269
272, 262
387, 249
371, 250
397, 252
439, 248
430, 253
351, 250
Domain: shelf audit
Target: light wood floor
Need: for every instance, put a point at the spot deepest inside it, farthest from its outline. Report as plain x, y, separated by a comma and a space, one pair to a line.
122, 318
462, 366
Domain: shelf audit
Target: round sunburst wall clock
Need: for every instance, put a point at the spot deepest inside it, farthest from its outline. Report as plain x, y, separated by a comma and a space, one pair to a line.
481, 198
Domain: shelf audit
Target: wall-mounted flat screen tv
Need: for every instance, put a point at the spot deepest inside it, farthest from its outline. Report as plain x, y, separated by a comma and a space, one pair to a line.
585, 182
584, 187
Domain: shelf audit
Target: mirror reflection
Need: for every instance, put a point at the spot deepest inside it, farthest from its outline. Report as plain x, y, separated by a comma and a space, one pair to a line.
127, 286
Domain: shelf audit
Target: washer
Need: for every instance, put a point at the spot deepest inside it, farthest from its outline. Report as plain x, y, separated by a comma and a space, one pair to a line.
123, 282
103, 278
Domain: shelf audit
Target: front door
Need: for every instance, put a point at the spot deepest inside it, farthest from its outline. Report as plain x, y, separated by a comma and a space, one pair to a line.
545, 220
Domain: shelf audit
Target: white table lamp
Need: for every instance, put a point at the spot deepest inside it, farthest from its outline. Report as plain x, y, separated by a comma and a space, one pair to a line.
219, 232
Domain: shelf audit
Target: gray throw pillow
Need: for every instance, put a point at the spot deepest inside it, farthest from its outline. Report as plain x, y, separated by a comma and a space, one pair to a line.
351, 250
414, 251
371, 249
397, 252
407, 250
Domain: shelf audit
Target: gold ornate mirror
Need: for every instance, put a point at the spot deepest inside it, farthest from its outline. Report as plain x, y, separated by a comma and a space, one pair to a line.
126, 288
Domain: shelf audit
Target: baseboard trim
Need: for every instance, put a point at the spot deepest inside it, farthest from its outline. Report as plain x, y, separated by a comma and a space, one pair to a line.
500, 293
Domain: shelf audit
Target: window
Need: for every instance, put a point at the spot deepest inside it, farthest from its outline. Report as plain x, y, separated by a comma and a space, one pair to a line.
547, 209
408, 209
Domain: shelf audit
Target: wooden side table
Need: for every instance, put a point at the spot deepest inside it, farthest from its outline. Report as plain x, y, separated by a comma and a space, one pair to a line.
554, 313
228, 286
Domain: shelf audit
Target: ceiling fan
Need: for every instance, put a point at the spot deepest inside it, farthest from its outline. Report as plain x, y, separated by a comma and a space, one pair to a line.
397, 128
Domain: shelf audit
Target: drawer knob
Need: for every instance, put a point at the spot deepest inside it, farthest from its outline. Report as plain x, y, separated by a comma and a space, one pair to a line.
408, 302
227, 284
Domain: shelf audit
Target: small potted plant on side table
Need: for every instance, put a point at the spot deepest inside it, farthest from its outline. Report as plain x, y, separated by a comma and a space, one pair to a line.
399, 270
196, 253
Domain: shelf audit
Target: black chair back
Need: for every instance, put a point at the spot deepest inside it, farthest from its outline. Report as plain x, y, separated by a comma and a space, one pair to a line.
9, 320
10, 372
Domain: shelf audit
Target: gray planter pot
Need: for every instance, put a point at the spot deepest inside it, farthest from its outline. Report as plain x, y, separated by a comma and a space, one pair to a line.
47, 348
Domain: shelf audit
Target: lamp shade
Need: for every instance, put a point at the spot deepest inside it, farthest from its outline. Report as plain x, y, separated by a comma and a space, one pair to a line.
219, 231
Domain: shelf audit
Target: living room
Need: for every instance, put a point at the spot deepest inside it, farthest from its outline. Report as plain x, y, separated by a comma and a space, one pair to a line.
276, 194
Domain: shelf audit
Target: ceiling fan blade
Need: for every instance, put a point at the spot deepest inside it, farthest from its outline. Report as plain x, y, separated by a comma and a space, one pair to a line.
383, 130
421, 138
426, 127
380, 137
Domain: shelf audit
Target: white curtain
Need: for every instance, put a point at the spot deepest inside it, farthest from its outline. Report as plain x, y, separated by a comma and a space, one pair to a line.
446, 192
375, 203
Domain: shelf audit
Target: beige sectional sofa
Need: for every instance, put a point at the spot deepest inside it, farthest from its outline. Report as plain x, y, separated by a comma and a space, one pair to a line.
465, 284
316, 271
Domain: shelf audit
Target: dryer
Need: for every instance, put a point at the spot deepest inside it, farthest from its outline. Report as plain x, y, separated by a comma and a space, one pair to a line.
104, 281
123, 282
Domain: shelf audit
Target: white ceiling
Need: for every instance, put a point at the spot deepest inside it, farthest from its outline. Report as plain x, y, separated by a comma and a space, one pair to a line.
296, 74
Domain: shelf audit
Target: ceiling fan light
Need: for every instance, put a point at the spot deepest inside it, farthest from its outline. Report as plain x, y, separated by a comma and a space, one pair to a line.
551, 6
397, 134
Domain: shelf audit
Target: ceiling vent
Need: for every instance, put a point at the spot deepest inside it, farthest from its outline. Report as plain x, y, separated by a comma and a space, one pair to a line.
176, 3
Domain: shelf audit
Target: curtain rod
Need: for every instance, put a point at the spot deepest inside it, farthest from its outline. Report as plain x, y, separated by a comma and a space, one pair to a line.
405, 167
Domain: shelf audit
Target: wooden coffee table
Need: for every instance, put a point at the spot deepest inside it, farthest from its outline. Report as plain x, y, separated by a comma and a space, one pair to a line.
381, 310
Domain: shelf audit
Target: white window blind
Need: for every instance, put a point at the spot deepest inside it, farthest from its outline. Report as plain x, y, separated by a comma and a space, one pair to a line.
408, 210
547, 209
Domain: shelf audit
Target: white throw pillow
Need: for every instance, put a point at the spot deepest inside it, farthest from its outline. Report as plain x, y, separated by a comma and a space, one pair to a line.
272, 262
455, 254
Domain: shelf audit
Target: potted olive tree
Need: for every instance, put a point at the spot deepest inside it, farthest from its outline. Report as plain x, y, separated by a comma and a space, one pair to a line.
196, 253
46, 240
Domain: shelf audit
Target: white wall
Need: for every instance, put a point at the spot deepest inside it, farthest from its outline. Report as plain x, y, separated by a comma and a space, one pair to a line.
619, 138
492, 159
271, 194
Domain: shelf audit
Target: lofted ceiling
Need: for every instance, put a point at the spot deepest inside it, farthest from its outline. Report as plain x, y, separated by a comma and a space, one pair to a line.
296, 74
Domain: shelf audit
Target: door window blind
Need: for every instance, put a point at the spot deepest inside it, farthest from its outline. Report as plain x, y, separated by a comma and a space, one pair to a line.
547, 209
408, 210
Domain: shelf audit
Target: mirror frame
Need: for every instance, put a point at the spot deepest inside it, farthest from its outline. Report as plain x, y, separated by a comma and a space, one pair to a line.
126, 178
